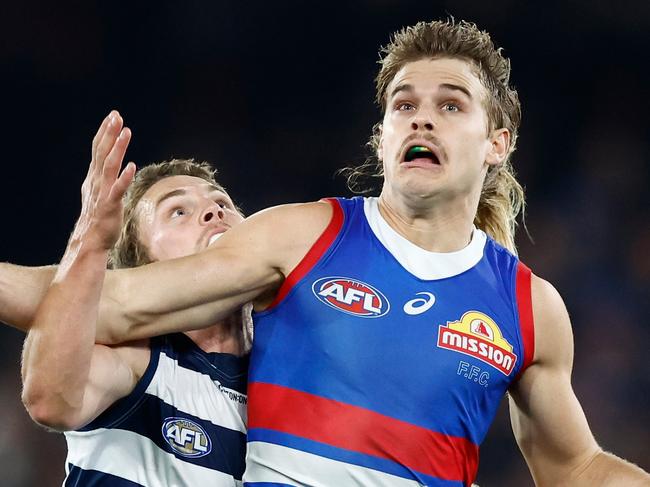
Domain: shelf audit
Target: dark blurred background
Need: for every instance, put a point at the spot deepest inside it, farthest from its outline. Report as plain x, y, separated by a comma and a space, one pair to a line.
278, 95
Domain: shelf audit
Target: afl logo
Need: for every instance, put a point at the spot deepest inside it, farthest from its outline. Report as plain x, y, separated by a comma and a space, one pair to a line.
186, 437
350, 296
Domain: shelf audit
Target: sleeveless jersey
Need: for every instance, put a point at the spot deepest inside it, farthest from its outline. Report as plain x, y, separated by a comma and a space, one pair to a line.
184, 424
381, 367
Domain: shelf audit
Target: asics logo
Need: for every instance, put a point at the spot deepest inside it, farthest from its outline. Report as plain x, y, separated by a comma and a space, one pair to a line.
418, 306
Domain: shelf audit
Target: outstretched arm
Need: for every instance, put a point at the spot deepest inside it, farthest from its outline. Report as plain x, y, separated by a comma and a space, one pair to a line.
248, 263
68, 380
21, 290
547, 419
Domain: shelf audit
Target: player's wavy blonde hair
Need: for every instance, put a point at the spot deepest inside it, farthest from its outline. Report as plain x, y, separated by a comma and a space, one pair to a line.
129, 251
502, 197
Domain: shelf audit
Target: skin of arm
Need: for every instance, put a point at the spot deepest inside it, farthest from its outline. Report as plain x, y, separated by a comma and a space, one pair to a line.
67, 380
549, 424
249, 263
21, 290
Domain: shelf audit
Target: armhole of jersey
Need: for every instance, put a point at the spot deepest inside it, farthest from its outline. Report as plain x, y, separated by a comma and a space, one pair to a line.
314, 254
525, 309
123, 407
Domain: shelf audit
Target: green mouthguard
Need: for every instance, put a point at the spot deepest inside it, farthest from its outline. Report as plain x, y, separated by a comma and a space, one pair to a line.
414, 151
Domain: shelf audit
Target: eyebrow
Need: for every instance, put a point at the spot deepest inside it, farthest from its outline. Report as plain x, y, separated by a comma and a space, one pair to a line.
445, 86
181, 192
403, 87
171, 194
453, 87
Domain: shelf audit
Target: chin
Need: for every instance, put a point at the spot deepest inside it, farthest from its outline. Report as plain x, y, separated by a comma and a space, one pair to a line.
422, 187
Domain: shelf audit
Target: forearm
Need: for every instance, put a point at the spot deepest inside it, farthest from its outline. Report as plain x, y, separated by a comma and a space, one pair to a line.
172, 296
607, 470
21, 291
58, 349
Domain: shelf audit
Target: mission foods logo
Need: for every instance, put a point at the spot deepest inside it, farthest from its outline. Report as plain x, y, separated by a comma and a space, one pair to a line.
186, 437
351, 296
477, 335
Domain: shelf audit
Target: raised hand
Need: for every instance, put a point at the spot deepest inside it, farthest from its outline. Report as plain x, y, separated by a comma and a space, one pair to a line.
101, 215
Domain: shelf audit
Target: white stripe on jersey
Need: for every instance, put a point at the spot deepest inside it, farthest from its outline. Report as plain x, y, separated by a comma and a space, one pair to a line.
265, 461
197, 393
136, 458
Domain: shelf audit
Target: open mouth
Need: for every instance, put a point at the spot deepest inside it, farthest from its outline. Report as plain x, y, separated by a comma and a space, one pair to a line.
420, 152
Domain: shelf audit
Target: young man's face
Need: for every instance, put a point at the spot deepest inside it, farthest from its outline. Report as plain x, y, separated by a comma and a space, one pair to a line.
182, 215
437, 107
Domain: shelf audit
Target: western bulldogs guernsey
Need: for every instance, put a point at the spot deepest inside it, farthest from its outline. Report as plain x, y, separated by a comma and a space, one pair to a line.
382, 364
184, 424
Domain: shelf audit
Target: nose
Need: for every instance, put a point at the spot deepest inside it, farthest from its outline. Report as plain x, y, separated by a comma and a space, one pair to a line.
422, 121
211, 212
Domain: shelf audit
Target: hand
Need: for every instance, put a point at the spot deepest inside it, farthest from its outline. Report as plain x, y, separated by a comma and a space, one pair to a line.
100, 221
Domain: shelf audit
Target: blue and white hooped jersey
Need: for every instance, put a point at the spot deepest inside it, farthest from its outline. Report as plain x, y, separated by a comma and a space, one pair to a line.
184, 424
382, 364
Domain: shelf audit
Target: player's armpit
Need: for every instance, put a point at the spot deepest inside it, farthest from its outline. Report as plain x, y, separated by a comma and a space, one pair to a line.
547, 419
21, 290
249, 262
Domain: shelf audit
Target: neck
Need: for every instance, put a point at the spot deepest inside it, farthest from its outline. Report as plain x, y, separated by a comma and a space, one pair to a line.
227, 336
439, 225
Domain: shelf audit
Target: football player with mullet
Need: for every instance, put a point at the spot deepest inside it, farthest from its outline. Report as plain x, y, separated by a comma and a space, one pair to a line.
388, 329
165, 411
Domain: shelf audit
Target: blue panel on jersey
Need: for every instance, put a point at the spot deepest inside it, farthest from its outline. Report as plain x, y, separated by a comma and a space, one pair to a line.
391, 364
231, 371
79, 477
347, 456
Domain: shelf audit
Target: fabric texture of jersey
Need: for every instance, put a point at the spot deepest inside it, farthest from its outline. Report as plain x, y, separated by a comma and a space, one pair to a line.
363, 373
184, 424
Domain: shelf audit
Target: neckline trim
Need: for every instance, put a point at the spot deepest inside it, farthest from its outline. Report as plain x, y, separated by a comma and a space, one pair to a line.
422, 263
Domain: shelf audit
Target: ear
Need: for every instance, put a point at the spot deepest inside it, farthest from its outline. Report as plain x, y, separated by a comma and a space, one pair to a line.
499, 147
379, 132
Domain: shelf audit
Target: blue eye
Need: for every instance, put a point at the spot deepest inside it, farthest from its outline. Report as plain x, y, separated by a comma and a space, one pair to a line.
178, 212
450, 107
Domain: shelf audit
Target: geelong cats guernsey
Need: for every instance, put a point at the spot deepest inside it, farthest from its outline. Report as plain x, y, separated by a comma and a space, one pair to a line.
382, 364
183, 425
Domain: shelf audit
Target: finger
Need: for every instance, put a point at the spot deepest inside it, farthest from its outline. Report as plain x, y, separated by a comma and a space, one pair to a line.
104, 146
108, 139
98, 136
114, 159
123, 182
100, 133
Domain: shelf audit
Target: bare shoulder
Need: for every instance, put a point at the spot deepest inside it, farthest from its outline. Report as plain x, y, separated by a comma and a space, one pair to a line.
290, 230
553, 335
299, 218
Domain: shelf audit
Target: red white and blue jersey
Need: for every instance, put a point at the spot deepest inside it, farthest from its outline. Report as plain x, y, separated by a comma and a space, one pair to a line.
382, 364
184, 424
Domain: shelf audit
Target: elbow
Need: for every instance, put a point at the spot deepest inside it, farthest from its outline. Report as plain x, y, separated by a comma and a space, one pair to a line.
48, 410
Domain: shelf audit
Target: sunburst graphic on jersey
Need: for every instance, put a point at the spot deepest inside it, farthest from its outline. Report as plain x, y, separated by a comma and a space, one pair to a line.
477, 335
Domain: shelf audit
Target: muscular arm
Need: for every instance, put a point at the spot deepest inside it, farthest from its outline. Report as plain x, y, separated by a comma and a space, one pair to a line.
68, 380
249, 263
547, 419
21, 290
